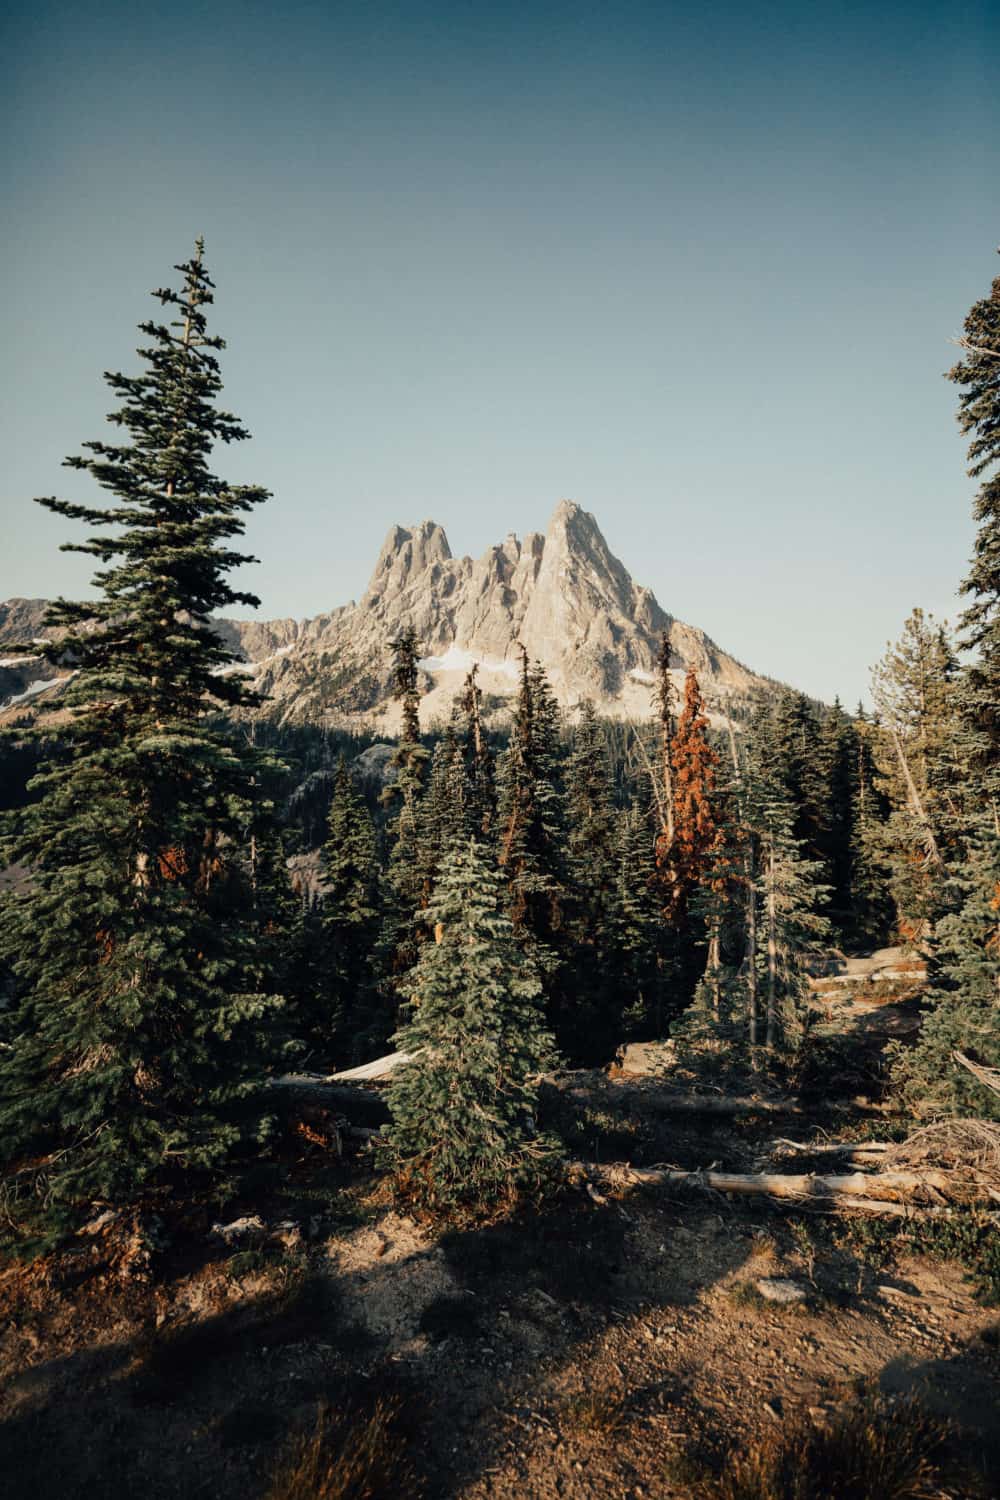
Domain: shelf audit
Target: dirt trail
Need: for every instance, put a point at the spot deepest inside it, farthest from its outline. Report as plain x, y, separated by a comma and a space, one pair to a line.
573, 1353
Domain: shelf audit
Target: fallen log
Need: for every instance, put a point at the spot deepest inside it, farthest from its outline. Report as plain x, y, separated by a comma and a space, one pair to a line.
641, 1097
896, 1194
863, 1152
988, 1077
343, 1090
374, 1072
360, 1105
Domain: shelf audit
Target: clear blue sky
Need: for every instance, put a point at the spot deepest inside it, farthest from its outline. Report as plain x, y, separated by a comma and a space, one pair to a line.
695, 267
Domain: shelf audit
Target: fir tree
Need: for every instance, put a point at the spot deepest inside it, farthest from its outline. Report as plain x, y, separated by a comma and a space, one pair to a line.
838, 766
636, 926
480, 769
964, 1006
964, 1003
142, 1031
804, 767
694, 764
405, 877
978, 374
351, 1016
663, 780
463, 1133
591, 983
870, 915
682, 863
790, 891
767, 898
530, 820
445, 811
919, 767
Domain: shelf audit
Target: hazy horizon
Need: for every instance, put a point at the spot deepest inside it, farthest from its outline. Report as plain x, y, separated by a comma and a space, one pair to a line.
697, 272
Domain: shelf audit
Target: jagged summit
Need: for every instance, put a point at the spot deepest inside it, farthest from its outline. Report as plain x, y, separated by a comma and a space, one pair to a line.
406, 553
563, 595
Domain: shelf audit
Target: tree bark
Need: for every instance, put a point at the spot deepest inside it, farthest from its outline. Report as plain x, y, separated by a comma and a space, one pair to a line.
359, 1104
347, 1090
643, 1098
901, 1194
712, 966
772, 955
863, 1152
916, 803
750, 958
988, 1077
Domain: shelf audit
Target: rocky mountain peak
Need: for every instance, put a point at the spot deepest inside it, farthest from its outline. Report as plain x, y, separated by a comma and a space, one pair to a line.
563, 596
406, 553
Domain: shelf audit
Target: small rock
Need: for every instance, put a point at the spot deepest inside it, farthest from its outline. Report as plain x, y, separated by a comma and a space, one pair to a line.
101, 1222
287, 1234
250, 1228
774, 1289
647, 1059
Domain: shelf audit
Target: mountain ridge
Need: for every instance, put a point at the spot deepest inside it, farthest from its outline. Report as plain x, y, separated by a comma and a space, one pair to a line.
562, 595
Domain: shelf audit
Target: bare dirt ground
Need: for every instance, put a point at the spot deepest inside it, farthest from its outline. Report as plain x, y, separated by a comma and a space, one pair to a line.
574, 1353
579, 1351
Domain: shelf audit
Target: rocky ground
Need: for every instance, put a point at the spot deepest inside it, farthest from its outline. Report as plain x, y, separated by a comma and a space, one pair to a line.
586, 1349
581, 1352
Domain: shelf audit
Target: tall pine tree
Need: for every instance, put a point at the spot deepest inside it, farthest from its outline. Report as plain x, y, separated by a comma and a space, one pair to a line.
142, 1030
592, 982
964, 1004
405, 877
978, 374
530, 821
352, 1017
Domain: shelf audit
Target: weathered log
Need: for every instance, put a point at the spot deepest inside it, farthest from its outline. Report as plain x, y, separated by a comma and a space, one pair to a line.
868, 1153
360, 1105
877, 1192
988, 1077
338, 1091
373, 1072
644, 1098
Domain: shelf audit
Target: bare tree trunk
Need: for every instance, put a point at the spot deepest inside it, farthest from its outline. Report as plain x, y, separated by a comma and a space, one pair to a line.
667, 778
654, 781
734, 753
472, 698
712, 966
890, 1193
751, 952
772, 954
665, 696
639, 1097
916, 804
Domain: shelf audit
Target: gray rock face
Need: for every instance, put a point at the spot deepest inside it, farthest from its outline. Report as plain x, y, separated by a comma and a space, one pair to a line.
23, 677
564, 596
374, 766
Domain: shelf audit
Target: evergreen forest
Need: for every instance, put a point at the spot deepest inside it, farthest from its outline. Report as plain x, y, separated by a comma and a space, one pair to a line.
209, 916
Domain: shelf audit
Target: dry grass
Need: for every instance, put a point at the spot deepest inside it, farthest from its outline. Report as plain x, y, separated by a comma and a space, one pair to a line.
874, 1450
971, 1146
593, 1413
354, 1456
